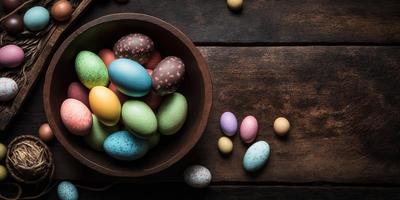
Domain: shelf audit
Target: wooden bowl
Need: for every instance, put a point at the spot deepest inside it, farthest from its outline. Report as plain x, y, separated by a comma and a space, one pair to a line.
103, 33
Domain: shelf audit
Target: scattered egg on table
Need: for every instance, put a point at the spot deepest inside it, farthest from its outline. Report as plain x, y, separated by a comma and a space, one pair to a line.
98, 133
154, 60
91, 70
3, 173
8, 89
171, 114
228, 123
10, 5
79, 92
3, 151
135, 46
197, 176
13, 24
281, 126
248, 129
235, 5
122, 97
139, 118
123, 145
45, 132
168, 75
107, 56
11, 56
67, 191
61, 10
36, 18
105, 104
225, 145
256, 156
154, 139
76, 117
152, 100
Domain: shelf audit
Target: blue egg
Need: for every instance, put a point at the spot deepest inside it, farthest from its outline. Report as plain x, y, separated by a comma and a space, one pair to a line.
36, 18
130, 77
256, 156
67, 191
123, 145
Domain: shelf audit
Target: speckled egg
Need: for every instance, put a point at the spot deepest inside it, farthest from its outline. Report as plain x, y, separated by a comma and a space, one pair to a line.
138, 118
79, 92
107, 56
135, 46
228, 123
168, 75
11, 56
256, 156
172, 114
105, 104
248, 129
91, 70
67, 191
98, 133
76, 117
8, 89
36, 18
154, 60
197, 176
122, 145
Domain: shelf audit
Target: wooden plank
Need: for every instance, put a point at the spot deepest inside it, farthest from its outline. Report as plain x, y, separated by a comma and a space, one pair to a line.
272, 22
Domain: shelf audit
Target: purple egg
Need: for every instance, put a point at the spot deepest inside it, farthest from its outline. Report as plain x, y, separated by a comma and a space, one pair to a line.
228, 123
11, 56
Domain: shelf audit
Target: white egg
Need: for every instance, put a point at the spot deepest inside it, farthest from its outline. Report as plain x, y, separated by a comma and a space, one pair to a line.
8, 89
197, 176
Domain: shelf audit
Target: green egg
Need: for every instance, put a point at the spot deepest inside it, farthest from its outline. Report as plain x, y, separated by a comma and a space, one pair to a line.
139, 118
3, 151
3, 173
154, 139
172, 113
98, 133
91, 69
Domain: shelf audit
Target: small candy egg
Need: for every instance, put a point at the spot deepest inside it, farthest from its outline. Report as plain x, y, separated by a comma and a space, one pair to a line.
228, 123
3, 151
36, 18
168, 75
225, 145
235, 5
8, 89
122, 145
45, 132
172, 114
105, 105
154, 60
152, 100
122, 97
248, 129
281, 126
10, 5
61, 10
67, 191
76, 117
91, 70
13, 24
11, 56
135, 46
107, 56
3, 173
154, 139
197, 176
138, 118
79, 92
98, 133
256, 156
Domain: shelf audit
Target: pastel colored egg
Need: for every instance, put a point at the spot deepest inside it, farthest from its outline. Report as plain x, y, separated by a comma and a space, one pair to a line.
172, 113
168, 75
138, 118
91, 70
67, 191
122, 145
135, 46
61, 10
225, 145
154, 60
107, 56
281, 126
197, 176
152, 100
235, 5
122, 97
79, 92
3, 151
98, 133
8, 89
228, 123
76, 117
105, 105
11, 56
130, 77
154, 139
36, 18
3, 173
248, 129
256, 156
45, 132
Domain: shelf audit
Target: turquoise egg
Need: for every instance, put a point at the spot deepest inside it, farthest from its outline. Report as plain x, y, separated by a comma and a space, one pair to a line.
67, 191
256, 156
130, 77
122, 145
36, 18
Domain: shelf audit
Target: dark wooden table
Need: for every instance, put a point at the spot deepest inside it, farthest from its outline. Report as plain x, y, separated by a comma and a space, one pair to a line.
331, 67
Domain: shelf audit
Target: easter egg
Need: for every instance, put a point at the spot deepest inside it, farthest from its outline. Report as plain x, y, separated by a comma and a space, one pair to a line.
256, 156
67, 191
281, 126
235, 5
45, 132
130, 77
11, 5
3, 173
13, 24
152, 100
8, 89
76, 117
135, 46
79, 92
105, 105
168, 75
98, 133
91, 70
107, 56
197, 176
36, 18
228, 123
248, 129
61, 10
122, 145
3, 151
172, 113
11, 56
153, 140
139, 118
225, 145
154, 60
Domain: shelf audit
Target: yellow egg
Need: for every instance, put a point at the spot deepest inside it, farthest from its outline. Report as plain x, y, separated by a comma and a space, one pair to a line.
3, 173
281, 126
225, 145
105, 104
235, 5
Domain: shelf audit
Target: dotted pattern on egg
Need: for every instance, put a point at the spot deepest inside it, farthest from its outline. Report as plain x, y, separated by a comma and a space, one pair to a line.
197, 176
67, 191
8, 89
135, 46
256, 156
167, 75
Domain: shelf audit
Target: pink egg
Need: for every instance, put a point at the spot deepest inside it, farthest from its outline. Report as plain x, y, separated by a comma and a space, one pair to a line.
11, 56
152, 100
79, 92
107, 56
248, 129
122, 97
154, 60
76, 117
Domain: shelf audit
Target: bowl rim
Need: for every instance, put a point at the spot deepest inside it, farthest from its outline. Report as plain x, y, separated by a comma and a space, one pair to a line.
203, 67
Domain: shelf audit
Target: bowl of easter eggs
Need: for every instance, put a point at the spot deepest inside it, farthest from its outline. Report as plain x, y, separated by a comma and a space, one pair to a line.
127, 95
